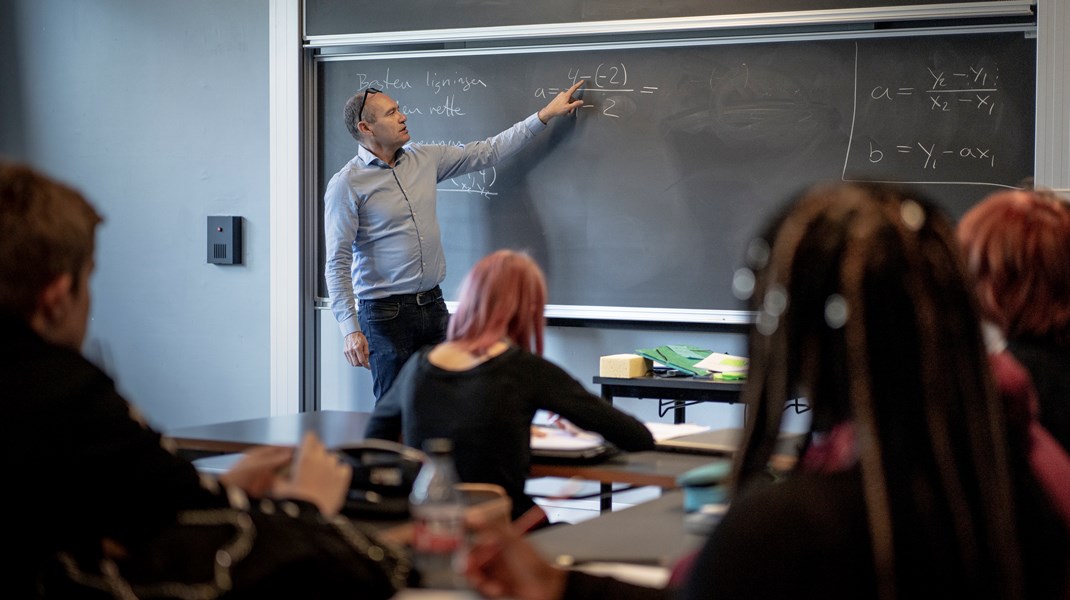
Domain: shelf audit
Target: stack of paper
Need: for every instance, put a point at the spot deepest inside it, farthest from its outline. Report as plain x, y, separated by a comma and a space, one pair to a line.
730, 367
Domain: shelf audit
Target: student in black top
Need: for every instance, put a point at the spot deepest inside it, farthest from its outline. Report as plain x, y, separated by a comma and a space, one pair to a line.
909, 487
482, 386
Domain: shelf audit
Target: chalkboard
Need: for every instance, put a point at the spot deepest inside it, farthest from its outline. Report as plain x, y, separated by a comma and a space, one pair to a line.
647, 196
340, 17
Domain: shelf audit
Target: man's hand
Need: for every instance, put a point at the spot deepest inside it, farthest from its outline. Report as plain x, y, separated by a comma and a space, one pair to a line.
356, 350
562, 104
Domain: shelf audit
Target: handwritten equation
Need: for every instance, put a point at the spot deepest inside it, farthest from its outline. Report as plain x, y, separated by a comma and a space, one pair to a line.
975, 87
608, 84
478, 183
929, 154
936, 124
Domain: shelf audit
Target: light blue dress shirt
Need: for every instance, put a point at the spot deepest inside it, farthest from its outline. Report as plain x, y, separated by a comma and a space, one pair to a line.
381, 228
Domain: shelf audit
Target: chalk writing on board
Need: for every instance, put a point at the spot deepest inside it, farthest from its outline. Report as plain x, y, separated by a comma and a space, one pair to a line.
609, 86
975, 87
477, 183
386, 83
957, 106
929, 153
445, 89
436, 83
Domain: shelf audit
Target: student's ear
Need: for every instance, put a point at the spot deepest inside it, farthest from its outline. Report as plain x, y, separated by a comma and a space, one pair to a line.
55, 299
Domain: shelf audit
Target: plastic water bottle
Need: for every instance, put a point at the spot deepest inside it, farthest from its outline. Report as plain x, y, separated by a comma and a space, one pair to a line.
438, 542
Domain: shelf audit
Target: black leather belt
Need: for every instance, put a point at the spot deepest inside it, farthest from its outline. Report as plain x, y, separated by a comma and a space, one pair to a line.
420, 298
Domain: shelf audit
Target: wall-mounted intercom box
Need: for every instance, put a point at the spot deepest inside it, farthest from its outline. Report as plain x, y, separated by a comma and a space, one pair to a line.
224, 240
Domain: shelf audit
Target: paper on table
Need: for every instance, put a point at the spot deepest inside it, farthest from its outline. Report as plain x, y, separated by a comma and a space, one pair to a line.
724, 363
559, 439
667, 431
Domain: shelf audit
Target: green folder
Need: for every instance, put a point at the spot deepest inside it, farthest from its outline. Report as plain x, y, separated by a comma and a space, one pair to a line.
677, 356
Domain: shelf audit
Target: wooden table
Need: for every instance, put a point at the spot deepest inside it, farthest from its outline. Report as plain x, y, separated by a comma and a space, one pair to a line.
673, 393
336, 428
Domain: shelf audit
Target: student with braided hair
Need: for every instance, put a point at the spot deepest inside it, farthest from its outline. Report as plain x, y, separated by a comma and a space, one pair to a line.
909, 487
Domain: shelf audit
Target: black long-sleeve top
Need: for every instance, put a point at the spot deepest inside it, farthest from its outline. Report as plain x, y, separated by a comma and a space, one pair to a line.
78, 463
487, 411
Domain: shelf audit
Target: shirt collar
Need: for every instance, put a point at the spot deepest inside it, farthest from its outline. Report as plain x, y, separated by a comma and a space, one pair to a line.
368, 158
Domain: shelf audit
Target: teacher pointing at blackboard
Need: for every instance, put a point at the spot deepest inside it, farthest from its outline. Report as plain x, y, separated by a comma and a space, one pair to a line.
384, 249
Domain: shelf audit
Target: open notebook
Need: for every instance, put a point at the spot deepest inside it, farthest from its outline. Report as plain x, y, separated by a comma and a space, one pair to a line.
552, 444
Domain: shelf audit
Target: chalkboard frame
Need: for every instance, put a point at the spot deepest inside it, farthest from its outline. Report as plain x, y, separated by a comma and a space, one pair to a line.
662, 314
453, 17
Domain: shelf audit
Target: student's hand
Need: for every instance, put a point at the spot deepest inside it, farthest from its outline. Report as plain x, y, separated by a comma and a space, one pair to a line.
257, 470
318, 476
501, 563
562, 104
356, 350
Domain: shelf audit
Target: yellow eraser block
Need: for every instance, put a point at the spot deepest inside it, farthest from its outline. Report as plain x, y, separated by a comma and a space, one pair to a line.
623, 365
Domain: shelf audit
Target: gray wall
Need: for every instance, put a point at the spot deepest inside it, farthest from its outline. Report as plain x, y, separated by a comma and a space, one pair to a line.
158, 111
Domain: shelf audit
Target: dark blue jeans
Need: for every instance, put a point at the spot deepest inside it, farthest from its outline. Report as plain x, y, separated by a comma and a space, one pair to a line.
398, 326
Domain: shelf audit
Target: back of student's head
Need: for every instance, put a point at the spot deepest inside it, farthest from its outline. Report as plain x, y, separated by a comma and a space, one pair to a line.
501, 298
865, 310
1017, 245
46, 230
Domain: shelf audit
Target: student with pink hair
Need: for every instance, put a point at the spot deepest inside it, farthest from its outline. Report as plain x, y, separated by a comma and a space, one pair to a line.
481, 387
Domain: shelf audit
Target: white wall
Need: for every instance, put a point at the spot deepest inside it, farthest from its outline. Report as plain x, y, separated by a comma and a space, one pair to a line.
158, 111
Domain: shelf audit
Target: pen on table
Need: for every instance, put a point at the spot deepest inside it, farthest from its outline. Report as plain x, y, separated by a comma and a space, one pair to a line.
531, 517
568, 561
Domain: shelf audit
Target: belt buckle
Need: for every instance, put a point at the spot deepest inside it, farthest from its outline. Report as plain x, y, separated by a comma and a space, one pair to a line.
423, 298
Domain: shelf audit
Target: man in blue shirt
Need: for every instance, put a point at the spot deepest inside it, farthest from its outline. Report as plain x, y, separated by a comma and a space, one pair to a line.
384, 249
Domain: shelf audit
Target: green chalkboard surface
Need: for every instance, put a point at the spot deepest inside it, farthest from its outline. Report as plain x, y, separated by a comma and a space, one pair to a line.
647, 196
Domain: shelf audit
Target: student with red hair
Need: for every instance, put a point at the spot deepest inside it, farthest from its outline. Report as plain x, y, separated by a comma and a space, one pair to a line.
481, 387
1017, 246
